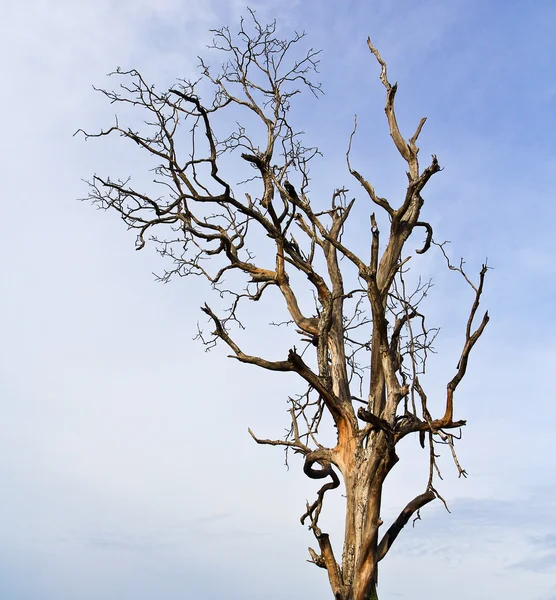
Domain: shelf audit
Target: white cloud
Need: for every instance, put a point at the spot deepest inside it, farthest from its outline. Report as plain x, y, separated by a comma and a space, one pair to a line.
127, 465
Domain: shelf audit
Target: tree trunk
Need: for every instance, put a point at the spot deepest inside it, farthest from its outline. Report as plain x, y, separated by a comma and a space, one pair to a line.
373, 595
364, 482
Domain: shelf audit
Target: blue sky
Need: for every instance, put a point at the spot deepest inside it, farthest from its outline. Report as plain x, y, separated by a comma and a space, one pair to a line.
117, 479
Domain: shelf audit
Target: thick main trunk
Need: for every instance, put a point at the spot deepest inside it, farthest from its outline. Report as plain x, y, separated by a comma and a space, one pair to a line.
363, 502
373, 595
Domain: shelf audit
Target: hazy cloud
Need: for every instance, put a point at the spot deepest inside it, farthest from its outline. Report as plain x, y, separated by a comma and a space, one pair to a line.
127, 469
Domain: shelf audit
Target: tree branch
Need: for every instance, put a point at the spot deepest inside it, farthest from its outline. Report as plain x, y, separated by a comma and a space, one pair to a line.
394, 530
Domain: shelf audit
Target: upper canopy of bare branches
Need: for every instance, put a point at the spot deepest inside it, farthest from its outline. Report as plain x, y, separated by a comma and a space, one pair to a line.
205, 224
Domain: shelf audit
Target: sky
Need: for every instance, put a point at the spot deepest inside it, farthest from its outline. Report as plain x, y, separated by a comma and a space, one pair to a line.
126, 468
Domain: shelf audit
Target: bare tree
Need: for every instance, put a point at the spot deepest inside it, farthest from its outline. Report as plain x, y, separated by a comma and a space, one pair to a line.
366, 327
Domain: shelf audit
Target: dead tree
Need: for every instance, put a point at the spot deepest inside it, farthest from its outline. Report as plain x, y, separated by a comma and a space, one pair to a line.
366, 327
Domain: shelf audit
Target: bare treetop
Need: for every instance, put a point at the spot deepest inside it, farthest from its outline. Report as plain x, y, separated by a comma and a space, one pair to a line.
366, 328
